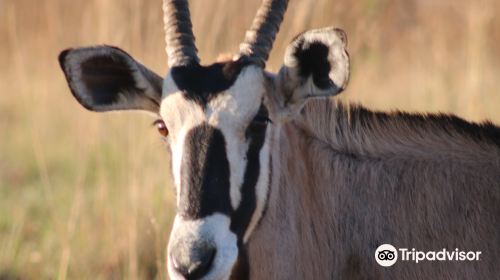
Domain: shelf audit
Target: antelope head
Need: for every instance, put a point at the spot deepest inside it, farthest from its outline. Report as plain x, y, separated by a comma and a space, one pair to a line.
218, 121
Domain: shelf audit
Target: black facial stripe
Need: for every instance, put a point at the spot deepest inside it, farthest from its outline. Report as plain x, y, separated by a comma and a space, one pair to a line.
205, 187
202, 83
241, 218
256, 133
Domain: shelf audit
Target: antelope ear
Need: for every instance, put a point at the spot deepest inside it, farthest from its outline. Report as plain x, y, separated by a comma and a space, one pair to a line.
316, 65
105, 78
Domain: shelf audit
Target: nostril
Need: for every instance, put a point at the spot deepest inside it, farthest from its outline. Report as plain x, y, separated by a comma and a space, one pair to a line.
196, 265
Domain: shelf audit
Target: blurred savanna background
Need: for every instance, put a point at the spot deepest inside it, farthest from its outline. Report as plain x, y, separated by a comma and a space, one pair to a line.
87, 196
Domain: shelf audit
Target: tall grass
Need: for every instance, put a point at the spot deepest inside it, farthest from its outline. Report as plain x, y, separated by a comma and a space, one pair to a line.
87, 196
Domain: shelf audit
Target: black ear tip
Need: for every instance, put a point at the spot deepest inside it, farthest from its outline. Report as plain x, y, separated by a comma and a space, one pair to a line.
62, 57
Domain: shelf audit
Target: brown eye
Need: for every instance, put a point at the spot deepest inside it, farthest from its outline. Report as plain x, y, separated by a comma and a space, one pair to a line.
162, 128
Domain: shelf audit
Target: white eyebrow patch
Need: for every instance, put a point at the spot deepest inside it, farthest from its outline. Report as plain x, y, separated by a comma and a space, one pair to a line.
180, 116
240, 102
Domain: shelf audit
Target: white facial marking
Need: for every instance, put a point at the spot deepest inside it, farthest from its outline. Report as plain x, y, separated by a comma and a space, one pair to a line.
231, 112
262, 187
180, 116
214, 228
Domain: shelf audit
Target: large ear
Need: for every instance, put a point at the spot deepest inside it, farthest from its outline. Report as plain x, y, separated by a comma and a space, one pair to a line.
105, 78
316, 65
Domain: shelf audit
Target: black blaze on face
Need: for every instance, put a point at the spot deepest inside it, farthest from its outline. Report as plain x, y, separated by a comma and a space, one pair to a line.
205, 187
205, 173
256, 135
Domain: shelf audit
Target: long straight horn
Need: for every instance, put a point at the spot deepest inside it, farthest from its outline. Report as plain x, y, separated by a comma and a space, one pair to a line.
181, 49
259, 39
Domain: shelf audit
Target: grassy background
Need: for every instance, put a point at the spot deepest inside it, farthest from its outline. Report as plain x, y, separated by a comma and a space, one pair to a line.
86, 196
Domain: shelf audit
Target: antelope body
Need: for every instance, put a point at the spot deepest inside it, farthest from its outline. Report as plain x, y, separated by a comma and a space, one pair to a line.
276, 181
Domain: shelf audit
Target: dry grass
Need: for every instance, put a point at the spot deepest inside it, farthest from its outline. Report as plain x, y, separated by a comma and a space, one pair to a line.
85, 196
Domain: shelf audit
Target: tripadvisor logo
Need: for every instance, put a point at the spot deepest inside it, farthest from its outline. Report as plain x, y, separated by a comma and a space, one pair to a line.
387, 255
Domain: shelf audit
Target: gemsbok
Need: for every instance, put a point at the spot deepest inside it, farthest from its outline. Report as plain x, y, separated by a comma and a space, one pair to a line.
274, 180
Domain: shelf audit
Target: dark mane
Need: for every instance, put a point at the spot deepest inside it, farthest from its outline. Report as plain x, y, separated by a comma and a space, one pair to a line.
354, 129
484, 132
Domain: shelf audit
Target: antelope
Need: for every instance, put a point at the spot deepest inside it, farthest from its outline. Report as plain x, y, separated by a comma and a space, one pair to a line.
276, 180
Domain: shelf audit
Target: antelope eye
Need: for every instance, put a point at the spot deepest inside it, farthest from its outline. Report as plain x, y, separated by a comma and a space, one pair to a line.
162, 128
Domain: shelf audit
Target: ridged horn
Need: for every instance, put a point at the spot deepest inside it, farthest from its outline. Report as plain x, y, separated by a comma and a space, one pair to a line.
181, 48
260, 37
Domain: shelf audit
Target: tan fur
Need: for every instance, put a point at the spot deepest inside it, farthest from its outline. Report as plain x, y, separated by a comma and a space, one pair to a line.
346, 180
223, 57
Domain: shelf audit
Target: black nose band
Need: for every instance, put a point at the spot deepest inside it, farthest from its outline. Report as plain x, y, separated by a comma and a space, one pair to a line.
205, 175
205, 187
